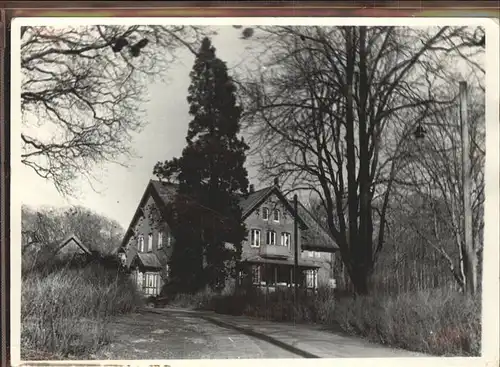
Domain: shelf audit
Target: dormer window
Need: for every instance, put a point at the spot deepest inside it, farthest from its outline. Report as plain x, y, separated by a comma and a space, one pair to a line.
265, 213
276, 215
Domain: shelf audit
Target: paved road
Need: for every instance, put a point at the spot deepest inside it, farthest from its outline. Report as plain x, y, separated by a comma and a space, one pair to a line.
178, 335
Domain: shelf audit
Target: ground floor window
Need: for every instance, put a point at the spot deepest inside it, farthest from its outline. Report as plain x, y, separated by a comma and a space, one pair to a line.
149, 282
256, 274
311, 279
279, 275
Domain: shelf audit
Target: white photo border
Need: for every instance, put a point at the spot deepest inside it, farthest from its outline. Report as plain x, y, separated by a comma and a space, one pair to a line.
490, 301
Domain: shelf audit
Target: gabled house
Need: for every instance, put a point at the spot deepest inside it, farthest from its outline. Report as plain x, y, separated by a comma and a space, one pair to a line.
71, 247
267, 253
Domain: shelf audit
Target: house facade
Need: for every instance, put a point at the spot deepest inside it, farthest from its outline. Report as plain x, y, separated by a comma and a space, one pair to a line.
267, 253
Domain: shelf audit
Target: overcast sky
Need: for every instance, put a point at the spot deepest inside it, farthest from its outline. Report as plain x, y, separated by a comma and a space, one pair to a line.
120, 188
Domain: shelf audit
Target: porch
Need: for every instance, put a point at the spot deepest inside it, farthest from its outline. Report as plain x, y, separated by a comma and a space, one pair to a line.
146, 274
275, 274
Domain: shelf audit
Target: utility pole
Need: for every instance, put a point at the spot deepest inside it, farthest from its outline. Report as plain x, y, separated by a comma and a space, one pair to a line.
470, 260
296, 250
468, 252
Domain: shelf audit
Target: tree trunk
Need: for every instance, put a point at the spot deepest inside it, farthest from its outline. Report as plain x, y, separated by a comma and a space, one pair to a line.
470, 255
360, 281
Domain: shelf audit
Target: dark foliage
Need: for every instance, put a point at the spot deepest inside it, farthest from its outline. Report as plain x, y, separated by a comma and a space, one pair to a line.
210, 173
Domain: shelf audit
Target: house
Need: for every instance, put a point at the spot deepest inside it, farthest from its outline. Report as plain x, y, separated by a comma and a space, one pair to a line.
71, 247
267, 253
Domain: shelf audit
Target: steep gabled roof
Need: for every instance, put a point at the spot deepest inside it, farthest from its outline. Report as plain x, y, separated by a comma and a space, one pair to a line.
316, 237
165, 190
148, 260
313, 235
76, 240
161, 192
249, 202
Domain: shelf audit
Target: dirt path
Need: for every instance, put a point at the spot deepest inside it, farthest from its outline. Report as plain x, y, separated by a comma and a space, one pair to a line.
177, 335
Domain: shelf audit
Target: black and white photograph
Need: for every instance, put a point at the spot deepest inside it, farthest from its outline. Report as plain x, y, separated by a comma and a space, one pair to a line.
254, 188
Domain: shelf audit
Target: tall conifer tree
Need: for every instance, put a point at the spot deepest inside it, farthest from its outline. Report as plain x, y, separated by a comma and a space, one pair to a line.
210, 174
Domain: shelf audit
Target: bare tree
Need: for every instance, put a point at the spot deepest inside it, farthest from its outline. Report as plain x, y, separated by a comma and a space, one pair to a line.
43, 229
438, 170
323, 112
82, 91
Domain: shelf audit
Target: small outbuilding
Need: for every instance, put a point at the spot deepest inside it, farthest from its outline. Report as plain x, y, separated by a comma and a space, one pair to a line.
72, 247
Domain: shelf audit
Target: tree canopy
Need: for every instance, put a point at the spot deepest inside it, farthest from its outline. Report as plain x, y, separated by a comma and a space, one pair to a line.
210, 172
83, 90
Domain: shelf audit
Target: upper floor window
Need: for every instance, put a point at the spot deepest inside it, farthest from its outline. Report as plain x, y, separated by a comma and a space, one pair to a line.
140, 243
286, 239
271, 238
160, 240
255, 238
276, 215
150, 242
265, 213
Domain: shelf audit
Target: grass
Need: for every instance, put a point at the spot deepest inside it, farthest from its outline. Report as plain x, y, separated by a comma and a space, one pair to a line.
64, 310
437, 322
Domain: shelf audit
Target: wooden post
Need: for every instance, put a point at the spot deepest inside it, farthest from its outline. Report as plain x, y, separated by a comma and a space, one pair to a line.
470, 261
296, 249
266, 272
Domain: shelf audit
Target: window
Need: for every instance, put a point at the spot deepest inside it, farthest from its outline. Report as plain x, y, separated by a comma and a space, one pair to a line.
169, 239
276, 215
271, 238
311, 279
160, 240
151, 283
286, 239
140, 243
310, 253
150, 242
167, 271
265, 213
317, 254
255, 238
256, 274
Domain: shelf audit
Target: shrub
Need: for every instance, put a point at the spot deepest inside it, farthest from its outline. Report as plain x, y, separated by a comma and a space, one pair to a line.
200, 300
276, 306
440, 322
64, 310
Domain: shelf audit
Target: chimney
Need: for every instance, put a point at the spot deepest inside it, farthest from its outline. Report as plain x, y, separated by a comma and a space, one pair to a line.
276, 182
252, 188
